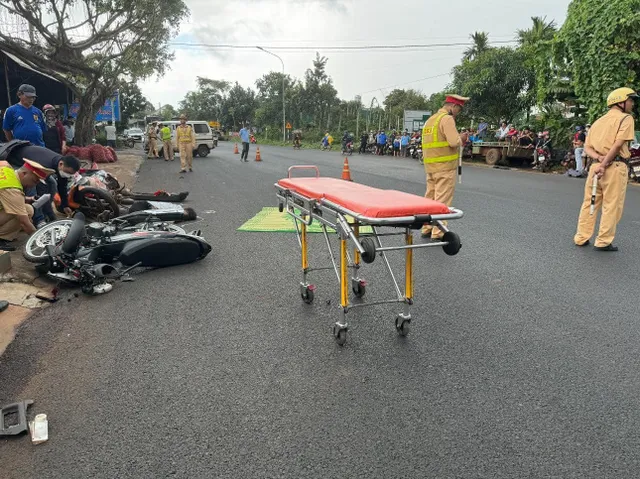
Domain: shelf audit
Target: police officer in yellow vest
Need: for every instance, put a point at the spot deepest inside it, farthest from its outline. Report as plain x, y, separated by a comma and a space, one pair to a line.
440, 151
15, 214
607, 144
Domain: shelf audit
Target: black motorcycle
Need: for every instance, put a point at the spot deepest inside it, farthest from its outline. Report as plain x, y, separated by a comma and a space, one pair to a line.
141, 218
94, 255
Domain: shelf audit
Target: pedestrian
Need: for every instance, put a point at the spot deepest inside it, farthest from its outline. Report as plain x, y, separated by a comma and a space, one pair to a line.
152, 136
382, 142
54, 137
404, 143
15, 213
186, 139
167, 145
396, 146
607, 144
363, 143
110, 130
23, 121
440, 149
578, 145
244, 136
69, 130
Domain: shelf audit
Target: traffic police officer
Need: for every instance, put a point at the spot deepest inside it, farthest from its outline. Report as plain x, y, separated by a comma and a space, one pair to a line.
440, 151
607, 144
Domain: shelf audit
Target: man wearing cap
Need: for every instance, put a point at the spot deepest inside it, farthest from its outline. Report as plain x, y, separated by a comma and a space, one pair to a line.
607, 144
152, 136
186, 139
15, 214
440, 150
23, 121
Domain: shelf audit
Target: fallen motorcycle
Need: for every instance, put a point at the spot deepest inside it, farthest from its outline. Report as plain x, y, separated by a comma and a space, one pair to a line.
94, 255
140, 220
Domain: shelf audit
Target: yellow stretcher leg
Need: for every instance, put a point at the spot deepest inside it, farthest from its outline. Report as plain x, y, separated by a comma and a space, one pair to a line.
408, 268
303, 241
356, 254
344, 274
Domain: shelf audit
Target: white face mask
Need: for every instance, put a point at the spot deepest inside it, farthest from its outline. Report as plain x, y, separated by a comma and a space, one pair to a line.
64, 174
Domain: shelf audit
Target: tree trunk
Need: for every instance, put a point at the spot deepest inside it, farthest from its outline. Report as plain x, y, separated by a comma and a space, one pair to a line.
90, 103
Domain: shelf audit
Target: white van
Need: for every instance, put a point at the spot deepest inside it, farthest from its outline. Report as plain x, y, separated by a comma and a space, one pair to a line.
204, 137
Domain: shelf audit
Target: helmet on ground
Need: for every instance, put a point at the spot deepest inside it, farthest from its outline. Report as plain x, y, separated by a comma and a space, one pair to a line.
620, 95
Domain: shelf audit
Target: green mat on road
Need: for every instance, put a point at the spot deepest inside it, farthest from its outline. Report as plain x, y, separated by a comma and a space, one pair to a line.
270, 220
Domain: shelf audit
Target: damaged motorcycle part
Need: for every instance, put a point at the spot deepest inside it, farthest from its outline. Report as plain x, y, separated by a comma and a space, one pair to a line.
13, 418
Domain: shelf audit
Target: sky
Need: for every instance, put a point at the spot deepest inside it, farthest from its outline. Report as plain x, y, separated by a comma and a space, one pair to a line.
323, 23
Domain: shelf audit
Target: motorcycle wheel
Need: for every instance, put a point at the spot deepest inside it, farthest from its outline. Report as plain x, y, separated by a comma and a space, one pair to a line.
97, 204
51, 234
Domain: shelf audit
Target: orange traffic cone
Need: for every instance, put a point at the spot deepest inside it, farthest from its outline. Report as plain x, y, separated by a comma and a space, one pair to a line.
258, 154
346, 173
235, 150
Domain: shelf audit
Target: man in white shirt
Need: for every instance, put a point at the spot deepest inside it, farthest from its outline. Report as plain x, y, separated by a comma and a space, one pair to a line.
501, 134
111, 135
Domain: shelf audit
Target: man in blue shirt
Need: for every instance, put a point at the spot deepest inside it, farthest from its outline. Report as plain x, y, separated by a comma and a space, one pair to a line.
244, 136
382, 141
404, 143
23, 121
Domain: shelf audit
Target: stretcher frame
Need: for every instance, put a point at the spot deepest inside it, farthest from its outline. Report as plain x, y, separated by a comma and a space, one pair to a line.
366, 247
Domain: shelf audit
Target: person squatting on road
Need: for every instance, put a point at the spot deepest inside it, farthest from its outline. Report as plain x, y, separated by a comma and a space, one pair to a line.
244, 136
607, 144
186, 139
167, 146
15, 213
440, 150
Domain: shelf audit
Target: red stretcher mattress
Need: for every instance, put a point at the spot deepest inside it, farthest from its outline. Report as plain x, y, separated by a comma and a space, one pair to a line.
364, 200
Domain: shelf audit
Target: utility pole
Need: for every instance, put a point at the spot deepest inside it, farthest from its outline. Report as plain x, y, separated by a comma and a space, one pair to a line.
284, 118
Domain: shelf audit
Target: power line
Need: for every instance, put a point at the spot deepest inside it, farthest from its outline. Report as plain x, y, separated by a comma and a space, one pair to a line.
405, 83
413, 46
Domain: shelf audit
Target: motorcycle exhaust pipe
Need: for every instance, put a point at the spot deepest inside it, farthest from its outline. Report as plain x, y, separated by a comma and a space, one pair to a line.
104, 270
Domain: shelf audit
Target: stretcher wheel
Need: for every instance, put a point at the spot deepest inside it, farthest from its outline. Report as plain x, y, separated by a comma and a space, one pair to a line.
280, 207
358, 287
340, 334
402, 326
307, 296
369, 250
453, 245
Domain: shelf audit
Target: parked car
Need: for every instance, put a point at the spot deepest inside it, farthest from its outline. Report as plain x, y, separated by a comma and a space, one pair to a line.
136, 133
204, 137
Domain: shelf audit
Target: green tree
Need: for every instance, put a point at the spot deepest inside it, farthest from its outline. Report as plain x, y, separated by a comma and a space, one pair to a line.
132, 103
399, 100
169, 112
480, 44
125, 41
207, 102
239, 106
600, 42
497, 82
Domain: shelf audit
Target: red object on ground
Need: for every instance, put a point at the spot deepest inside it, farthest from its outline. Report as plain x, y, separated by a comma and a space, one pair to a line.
364, 200
93, 153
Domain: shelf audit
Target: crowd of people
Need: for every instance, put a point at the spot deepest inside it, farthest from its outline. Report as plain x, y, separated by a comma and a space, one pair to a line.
32, 174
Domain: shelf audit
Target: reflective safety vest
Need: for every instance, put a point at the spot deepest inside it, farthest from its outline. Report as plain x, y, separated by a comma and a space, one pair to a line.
434, 150
9, 178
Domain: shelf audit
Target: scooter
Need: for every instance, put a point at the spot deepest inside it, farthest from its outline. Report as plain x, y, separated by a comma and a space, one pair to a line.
348, 148
634, 162
94, 255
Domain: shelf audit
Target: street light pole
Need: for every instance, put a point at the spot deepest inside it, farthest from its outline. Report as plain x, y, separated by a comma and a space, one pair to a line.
284, 117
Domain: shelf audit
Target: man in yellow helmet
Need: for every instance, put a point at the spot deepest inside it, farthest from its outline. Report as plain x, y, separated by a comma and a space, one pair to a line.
440, 150
607, 144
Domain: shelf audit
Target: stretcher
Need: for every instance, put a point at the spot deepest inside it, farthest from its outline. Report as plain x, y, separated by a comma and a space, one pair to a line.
348, 208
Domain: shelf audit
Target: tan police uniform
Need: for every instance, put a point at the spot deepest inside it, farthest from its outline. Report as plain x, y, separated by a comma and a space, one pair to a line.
153, 142
440, 152
186, 139
612, 187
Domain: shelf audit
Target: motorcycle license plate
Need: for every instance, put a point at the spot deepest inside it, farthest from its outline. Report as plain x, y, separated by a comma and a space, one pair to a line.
636, 170
541, 158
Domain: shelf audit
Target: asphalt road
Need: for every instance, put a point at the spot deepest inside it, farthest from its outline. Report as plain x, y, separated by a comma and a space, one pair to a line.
522, 361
